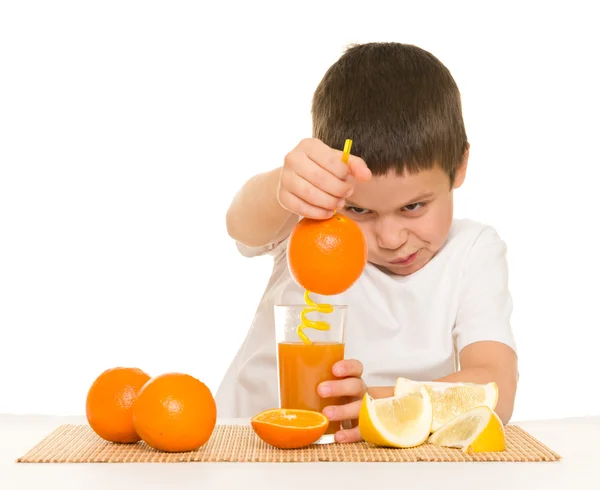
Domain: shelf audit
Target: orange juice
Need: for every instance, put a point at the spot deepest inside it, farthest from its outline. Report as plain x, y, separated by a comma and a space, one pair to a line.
302, 367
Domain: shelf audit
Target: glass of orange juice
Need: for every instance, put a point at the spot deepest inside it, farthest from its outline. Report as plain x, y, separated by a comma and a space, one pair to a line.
302, 367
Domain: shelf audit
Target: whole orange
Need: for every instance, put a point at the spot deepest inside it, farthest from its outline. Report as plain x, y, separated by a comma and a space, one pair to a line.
327, 256
109, 403
175, 412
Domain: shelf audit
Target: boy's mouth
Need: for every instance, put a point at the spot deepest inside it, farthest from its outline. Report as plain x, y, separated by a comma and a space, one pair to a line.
405, 260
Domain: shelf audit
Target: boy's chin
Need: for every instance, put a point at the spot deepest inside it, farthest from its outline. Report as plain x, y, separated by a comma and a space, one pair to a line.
400, 270
404, 271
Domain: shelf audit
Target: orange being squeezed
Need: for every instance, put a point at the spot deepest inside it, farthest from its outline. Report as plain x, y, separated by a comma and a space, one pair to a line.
327, 256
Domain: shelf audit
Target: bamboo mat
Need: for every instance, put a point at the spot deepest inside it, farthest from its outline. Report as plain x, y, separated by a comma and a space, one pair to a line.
236, 443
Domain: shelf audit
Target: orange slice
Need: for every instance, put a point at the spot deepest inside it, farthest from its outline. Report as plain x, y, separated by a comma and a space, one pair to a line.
477, 430
287, 428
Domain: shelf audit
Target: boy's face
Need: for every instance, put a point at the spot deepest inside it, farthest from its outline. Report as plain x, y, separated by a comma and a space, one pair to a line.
405, 218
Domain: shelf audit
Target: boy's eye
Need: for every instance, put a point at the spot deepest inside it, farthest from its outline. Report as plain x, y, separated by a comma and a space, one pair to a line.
355, 210
414, 206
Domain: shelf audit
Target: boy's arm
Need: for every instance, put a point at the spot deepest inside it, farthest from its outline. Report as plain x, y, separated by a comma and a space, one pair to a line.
481, 362
482, 330
255, 217
486, 361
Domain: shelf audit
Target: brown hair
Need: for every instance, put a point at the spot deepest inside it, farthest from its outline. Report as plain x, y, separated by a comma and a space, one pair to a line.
398, 103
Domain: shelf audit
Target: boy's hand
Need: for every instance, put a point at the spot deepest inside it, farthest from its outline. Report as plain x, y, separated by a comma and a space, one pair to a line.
349, 384
313, 179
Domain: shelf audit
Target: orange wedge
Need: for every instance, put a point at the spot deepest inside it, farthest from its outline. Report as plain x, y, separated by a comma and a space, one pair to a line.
287, 428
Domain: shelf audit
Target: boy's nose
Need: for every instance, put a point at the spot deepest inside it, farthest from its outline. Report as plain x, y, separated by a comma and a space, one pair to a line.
391, 236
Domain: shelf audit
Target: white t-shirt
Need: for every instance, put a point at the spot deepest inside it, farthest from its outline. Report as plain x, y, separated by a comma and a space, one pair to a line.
411, 326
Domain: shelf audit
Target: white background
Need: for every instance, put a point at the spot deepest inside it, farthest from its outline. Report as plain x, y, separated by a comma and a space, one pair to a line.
127, 127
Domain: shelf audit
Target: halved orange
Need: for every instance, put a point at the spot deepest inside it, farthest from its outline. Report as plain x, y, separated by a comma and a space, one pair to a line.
287, 428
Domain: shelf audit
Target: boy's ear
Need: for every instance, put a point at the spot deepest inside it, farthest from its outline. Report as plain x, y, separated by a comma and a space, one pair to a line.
461, 170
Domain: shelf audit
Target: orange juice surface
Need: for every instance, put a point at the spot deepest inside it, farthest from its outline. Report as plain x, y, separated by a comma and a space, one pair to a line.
301, 368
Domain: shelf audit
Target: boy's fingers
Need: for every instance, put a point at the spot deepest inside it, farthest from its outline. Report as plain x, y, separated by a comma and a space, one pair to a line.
349, 435
321, 178
325, 157
349, 411
300, 207
311, 194
354, 387
358, 168
293, 183
348, 367
331, 160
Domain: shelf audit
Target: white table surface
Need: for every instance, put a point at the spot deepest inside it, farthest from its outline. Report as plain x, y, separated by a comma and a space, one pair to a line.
577, 440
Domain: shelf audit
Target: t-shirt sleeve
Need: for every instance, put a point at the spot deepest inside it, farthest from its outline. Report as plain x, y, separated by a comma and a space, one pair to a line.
485, 303
274, 249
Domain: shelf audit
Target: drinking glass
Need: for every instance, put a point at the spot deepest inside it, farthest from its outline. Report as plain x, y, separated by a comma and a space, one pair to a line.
302, 367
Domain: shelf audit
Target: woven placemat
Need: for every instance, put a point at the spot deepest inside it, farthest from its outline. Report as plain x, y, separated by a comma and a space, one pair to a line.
236, 443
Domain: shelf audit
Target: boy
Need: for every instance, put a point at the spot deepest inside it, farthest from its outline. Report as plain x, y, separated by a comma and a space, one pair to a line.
433, 301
